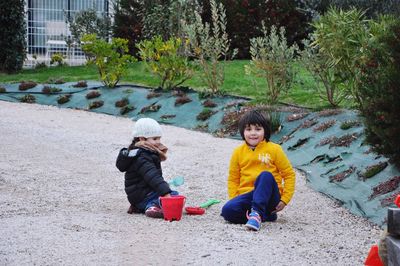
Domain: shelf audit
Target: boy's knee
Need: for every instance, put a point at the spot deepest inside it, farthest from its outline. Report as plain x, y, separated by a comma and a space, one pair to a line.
265, 177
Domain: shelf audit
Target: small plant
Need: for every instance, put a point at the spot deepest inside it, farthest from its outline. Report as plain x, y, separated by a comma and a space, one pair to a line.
3, 90
93, 94
26, 85
58, 59
344, 141
28, 98
272, 59
153, 94
150, 108
308, 123
327, 80
349, 124
329, 112
166, 117
339, 177
164, 60
324, 126
385, 187
111, 58
64, 98
81, 84
209, 45
208, 103
297, 116
205, 114
276, 121
126, 109
50, 90
372, 170
123, 102
96, 104
182, 100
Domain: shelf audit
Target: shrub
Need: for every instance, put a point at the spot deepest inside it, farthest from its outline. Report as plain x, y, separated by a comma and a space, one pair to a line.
50, 90
328, 83
96, 104
81, 84
128, 22
63, 98
26, 85
163, 60
379, 87
340, 36
126, 109
58, 59
12, 35
28, 98
123, 102
2, 90
209, 43
111, 59
93, 94
205, 114
272, 59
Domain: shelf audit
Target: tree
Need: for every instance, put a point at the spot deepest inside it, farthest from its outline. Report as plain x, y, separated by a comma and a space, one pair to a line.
12, 35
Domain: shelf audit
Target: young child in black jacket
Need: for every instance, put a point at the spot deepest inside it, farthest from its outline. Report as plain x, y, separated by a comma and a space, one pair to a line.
141, 162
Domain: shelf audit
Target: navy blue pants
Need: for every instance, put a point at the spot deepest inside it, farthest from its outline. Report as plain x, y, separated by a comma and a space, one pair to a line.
262, 199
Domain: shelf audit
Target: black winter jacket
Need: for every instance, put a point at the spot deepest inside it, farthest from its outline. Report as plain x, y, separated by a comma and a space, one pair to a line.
143, 174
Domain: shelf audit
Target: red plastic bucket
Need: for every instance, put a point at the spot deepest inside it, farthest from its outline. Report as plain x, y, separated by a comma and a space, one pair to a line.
172, 207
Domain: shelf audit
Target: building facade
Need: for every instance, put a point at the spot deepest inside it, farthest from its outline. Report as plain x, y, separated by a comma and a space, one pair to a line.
48, 31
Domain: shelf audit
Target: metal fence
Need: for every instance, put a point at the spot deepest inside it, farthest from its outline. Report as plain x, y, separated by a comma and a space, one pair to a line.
48, 31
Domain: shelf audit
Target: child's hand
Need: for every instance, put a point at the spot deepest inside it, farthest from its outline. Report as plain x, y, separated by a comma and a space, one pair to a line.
167, 195
281, 205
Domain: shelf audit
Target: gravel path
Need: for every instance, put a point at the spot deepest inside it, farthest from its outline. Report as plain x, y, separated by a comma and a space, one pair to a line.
62, 202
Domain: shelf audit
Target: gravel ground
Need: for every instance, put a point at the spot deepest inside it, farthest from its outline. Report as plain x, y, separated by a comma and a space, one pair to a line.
63, 203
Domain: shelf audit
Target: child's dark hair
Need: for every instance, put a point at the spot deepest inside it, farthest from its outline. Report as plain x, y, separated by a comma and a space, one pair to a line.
254, 117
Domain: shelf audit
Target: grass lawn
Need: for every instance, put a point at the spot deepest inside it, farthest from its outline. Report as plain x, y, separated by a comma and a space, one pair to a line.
236, 81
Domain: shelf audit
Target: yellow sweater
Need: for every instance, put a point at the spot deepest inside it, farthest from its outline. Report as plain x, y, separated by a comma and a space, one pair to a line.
246, 164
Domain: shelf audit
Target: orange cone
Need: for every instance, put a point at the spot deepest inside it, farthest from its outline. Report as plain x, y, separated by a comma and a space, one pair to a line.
373, 258
397, 201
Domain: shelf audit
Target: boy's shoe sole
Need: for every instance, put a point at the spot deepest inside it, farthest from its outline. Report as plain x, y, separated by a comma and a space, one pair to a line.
252, 227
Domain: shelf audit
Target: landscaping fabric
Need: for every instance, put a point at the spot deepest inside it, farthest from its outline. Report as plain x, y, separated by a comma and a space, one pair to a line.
336, 161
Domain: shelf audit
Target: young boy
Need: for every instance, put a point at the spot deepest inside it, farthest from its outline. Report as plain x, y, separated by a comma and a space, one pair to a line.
261, 179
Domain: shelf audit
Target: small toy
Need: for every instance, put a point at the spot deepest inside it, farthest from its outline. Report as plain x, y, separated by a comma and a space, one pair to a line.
176, 181
202, 208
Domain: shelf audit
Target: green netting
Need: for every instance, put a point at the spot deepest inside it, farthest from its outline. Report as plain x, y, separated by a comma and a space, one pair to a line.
334, 170
338, 168
183, 115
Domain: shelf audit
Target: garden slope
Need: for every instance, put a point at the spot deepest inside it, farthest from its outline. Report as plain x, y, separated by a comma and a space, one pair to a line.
62, 201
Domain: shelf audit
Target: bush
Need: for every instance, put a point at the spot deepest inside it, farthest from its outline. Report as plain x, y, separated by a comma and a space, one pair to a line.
111, 59
58, 59
12, 35
128, 22
340, 35
379, 87
245, 20
163, 60
272, 59
209, 44
328, 83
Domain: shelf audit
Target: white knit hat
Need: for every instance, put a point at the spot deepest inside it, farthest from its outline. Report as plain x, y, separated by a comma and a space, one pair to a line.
147, 127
